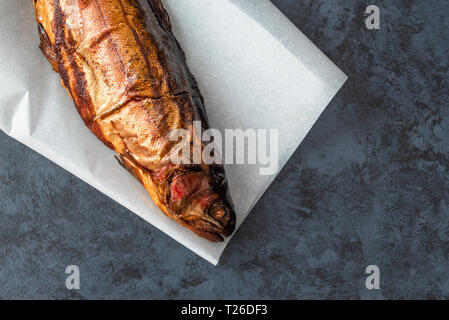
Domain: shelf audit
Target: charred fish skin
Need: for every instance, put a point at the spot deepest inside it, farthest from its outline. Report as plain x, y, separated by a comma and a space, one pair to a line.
128, 77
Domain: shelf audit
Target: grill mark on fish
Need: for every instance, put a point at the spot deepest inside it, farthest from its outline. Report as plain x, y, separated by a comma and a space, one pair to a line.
139, 43
144, 53
120, 58
59, 40
161, 58
78, 90
114, 45
104, 115
104, 35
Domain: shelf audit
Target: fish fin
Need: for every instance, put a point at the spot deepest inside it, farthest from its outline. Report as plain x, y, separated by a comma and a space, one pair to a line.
161, 14
47, 47
130, 167
144, 178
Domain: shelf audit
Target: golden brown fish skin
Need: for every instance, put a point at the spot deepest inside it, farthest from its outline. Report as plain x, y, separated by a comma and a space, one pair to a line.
128, 77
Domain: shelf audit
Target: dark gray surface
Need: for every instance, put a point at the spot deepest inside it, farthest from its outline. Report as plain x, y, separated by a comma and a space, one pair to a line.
369, 185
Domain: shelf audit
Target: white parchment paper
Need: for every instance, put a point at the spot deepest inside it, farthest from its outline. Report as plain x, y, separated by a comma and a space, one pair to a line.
255, 70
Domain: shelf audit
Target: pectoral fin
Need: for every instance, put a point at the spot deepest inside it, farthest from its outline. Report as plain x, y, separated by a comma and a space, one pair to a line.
47, 47
143, 177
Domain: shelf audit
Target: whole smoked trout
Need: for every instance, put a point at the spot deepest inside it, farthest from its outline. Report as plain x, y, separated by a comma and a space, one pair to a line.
128, 77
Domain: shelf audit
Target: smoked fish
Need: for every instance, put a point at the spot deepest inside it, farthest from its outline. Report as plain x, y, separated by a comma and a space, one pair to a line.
128, 77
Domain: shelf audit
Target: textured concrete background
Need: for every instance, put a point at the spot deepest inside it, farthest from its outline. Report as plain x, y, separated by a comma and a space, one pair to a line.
369, 185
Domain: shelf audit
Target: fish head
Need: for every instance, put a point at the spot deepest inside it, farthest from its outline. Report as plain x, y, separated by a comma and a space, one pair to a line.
201, 202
